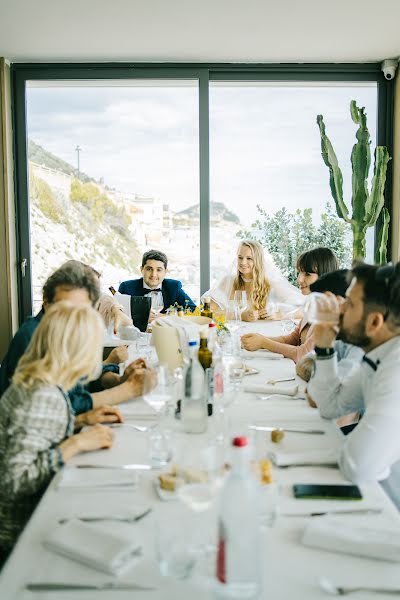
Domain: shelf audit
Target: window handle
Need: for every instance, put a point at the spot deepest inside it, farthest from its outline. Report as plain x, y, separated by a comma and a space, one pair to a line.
23, 266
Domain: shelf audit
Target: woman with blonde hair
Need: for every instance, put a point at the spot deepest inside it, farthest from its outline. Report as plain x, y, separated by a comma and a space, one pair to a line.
254, 272
37, 422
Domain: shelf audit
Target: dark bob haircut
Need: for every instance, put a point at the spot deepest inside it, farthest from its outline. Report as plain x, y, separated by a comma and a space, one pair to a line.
318, 260
335, 282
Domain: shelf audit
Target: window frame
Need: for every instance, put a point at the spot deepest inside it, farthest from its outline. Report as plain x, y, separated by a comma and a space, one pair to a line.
203, 73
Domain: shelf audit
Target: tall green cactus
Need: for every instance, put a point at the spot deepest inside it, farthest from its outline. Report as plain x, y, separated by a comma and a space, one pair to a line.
365, 206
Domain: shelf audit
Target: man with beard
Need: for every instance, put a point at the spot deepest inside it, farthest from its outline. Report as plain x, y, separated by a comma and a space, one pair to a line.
370, 320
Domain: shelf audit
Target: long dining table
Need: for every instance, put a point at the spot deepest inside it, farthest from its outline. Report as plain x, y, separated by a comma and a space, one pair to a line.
290, 569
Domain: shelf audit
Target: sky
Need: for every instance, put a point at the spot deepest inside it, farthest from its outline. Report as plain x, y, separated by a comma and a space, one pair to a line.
264, 140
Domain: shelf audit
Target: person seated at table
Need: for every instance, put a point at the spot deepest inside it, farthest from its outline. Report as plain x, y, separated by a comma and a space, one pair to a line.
370, 319
75, 282
254, 272
310, 265
154, 283
112, 313
37, 422
348, 355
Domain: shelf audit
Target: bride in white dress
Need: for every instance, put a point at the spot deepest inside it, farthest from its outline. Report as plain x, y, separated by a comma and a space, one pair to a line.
255, 272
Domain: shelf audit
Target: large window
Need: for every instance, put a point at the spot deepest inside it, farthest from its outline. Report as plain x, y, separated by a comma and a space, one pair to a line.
113, 171
266, 166
114, 160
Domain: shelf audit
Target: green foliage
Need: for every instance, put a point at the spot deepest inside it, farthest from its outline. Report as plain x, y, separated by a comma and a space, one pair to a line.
286, 235
41, 193
45, 158
366, 206
381, 246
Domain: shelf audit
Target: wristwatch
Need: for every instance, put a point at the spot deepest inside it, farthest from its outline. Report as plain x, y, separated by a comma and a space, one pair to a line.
324, 352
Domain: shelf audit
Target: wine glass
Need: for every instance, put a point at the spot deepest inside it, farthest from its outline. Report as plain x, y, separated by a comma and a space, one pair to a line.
156, 304
240, 300
160, 443
233, 321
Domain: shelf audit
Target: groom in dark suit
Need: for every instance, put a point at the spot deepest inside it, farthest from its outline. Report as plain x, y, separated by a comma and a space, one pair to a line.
154, 269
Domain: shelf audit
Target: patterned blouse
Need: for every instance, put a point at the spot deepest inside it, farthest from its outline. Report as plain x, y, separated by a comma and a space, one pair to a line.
32, 424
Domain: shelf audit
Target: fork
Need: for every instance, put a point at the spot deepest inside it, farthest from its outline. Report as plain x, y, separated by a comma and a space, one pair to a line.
330, 588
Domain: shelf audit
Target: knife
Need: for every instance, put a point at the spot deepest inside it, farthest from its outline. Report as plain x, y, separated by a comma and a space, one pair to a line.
132, 467
54, 587
290, 429
335, 512
273, 381
108, 518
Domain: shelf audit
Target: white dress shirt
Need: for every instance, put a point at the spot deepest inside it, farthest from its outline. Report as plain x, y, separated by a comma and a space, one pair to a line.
373, 447
154, 294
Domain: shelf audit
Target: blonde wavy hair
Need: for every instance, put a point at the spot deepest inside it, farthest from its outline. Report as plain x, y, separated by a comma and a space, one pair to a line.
261, 286
65, 348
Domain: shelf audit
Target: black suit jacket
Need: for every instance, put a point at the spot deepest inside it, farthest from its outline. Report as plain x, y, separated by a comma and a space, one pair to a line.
171, 291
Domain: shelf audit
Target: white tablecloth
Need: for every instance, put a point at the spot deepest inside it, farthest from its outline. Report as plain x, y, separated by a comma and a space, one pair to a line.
291, 570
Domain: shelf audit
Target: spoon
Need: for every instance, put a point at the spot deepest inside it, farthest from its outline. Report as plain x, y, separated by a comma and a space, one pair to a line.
330, 588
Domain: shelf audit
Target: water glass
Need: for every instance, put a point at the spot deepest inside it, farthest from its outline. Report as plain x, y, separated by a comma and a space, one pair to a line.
237, 369
322, 308
160, 447
174, 550
287, 326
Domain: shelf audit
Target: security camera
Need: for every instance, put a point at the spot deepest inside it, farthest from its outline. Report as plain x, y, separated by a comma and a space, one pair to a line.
389, 67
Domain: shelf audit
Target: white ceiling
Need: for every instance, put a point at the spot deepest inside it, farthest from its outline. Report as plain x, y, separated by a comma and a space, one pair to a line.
200, 30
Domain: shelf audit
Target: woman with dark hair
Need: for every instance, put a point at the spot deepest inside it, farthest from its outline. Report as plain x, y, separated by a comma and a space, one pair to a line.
310, 265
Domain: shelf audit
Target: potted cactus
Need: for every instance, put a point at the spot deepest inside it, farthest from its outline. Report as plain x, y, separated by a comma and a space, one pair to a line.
366, 206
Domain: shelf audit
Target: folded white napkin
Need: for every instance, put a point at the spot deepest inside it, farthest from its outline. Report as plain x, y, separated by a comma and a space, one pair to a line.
323, 456
74, 477
93, 546
344, 536
267, 388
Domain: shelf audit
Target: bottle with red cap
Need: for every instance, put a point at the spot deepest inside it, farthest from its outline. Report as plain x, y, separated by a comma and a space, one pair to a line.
239, 549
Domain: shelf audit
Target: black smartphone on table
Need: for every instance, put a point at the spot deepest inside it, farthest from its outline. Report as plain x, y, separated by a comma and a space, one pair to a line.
315, 491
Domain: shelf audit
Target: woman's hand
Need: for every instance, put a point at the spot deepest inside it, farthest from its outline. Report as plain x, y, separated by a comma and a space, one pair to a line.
252, 341
94, 438
264, 314
117, 355
104, 414
250, 315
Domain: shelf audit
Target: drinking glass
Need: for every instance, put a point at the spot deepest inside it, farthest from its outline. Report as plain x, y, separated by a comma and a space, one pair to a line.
237, 370
322, 308
287, 326
156, 304
233, 321
160, 436
174, 550
240, 300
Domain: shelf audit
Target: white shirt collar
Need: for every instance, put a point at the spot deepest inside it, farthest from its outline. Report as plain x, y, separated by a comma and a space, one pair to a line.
380, 352
147, 287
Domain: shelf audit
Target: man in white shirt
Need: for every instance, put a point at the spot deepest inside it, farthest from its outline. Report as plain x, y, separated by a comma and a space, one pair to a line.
370, 320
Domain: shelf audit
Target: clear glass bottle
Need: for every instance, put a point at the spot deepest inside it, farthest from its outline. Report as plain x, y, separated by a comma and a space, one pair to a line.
194, 406
239, 550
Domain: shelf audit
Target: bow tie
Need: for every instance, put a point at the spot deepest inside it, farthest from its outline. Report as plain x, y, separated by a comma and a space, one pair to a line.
146, 290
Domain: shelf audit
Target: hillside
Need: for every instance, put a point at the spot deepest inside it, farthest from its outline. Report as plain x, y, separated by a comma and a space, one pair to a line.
218, 212
43, 157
